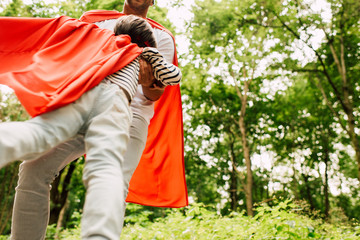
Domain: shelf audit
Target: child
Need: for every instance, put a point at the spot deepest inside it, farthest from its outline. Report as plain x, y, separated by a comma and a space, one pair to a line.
102, 116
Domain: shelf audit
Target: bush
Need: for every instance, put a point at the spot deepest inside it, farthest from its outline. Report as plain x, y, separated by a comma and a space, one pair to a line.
197, 222
278, 222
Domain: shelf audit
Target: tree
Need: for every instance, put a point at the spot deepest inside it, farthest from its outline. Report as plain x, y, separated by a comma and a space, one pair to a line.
333, 61
231, 56
275, 41
303, 137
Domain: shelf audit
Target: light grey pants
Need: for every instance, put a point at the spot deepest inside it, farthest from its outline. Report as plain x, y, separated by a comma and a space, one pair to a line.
100, 121
31, 206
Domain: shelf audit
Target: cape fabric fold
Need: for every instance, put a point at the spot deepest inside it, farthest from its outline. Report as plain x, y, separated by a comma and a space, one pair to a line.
51, 62
159, 179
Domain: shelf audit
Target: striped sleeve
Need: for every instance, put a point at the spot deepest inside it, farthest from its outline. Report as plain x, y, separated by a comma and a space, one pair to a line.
166, 73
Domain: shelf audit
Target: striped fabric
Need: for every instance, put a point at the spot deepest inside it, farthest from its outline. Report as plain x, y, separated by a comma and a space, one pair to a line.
166, 73
127, 78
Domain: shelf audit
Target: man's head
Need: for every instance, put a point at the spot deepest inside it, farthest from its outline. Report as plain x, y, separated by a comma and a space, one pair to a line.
137, 7
138, 29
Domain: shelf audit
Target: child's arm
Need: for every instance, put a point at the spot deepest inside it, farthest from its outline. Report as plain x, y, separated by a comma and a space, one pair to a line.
166, 73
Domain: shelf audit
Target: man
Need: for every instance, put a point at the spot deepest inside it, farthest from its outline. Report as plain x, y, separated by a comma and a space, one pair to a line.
31, 207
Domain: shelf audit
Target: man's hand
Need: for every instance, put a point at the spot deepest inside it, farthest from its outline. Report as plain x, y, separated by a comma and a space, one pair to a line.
153, 92
152, 88
146, 74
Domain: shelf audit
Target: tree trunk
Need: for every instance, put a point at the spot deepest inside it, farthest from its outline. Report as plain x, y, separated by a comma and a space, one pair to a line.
249, 177
357, 152
326, 183
347, 102
245, 146
233, 189
354, 138
59, 198
308, 191
61, 219
342, 95
295, 183
8, 192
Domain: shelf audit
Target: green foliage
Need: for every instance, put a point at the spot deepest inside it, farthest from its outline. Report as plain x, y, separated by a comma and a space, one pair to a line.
138, 214
51, 231
74, 8
70, 234
224, 92
11, 109
283, 220
296, 115
8, 178
37, 8
76, 196
288, 113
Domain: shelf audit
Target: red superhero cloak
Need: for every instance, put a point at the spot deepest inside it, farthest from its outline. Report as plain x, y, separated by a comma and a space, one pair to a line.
159, 179
50, 62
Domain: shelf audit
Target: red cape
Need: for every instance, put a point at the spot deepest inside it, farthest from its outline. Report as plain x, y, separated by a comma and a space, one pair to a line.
159, 179
50, 62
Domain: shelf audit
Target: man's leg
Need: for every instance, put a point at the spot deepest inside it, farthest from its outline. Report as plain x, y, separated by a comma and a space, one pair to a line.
106, 140
31, 205
137, 142
32, 199
48, 131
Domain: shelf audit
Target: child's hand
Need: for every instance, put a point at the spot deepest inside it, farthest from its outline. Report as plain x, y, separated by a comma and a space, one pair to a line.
146, 74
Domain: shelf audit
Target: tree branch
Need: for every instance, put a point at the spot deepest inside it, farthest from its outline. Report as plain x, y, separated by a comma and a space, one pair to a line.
332, 84
238, 92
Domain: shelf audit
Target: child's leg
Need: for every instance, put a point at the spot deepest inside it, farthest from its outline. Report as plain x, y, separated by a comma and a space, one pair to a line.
30, 139
105, 142
32, 199
27, 140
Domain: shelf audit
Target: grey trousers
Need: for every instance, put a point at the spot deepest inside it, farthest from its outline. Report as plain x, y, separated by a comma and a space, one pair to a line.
99, 123
31, 206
